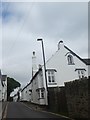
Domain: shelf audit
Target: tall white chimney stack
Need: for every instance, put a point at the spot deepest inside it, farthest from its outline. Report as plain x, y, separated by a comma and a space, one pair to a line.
34, 64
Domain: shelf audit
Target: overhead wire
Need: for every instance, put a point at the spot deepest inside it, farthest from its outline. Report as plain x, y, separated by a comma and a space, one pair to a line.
21, 28
4, 7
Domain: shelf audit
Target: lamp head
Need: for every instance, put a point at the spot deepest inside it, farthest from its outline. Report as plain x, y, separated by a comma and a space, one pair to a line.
40, 39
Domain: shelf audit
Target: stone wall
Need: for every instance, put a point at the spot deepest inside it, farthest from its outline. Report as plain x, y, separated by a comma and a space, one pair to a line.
78, 98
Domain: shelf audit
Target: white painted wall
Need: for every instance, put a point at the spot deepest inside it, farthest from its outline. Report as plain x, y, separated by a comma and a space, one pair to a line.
28, 94
24, 95
37, 83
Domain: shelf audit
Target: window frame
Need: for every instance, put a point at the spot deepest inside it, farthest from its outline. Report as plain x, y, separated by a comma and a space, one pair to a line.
80, 74
51, 76
40, 92
70, 60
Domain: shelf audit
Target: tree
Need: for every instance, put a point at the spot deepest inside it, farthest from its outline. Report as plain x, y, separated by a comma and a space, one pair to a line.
11, 85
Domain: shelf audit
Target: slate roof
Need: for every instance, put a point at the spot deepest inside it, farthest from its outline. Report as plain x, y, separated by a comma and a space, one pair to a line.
86, 61
32, 79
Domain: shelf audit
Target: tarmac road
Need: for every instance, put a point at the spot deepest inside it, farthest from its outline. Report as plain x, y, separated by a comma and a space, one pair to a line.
19, 110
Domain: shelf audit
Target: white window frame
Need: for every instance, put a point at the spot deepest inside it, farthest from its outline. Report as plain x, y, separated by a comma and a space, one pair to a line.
70, 60
51, 76
41, 93
81, 73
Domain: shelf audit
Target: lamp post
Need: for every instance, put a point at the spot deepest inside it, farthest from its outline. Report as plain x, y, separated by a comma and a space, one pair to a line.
44, 64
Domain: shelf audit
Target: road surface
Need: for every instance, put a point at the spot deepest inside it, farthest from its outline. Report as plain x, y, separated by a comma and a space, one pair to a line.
20, 110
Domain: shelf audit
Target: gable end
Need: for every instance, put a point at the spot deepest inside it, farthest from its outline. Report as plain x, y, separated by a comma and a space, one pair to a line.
75, 54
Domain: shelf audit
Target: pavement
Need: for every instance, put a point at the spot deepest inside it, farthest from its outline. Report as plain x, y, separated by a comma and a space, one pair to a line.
2, 108
44, 109
20, 110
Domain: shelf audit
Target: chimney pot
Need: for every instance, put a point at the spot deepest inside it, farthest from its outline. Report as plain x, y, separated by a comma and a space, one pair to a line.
60, 44
61, 41
33, 52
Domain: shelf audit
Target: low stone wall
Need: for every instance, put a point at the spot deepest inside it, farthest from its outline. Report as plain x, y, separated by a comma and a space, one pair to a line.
78, 98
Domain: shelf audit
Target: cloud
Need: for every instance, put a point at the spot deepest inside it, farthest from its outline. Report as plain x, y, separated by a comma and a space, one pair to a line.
23, 23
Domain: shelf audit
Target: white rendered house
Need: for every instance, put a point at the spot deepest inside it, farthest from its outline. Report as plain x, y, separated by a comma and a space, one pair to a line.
62, 67
65, 66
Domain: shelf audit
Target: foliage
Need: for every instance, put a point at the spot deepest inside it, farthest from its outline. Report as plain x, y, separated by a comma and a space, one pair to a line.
11, 85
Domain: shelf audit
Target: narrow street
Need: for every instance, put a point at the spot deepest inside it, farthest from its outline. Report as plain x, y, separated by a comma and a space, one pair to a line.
19, 110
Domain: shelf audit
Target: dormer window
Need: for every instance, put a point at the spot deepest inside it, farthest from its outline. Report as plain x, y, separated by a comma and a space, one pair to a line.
70, 60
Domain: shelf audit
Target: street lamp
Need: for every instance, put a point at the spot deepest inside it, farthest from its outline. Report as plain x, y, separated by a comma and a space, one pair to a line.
44, 63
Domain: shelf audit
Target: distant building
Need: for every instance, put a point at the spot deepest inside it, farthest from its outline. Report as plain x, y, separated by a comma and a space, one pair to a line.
15, 98
3, 87
63, 66
16, 95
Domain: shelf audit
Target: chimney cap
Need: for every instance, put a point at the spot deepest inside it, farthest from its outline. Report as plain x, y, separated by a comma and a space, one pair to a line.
59, 44
33, 52
60, 41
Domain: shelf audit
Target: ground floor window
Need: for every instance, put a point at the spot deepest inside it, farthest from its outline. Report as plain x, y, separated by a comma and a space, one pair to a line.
41, 93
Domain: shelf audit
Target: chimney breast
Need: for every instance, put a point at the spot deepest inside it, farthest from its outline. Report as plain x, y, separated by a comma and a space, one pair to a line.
34, 64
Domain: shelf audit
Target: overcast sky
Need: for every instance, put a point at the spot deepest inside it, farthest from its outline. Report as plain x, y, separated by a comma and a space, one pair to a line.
23, 23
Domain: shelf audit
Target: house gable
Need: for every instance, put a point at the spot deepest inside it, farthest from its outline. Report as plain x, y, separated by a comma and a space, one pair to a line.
75, 54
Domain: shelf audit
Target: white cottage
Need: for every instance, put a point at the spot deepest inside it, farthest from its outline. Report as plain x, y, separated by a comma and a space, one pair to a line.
62, 67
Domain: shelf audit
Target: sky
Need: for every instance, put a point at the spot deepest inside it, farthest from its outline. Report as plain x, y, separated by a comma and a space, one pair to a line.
22, 23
